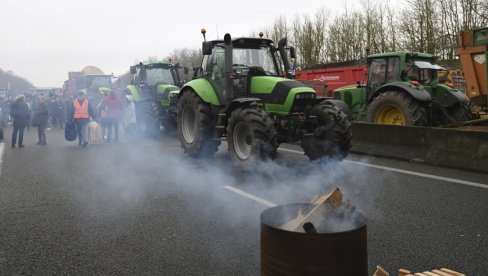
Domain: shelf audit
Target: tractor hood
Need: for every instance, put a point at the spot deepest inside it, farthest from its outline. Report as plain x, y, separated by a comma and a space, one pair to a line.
276, 90
279, 94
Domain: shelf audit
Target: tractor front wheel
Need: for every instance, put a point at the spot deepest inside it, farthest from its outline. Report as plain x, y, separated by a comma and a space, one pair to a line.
195, 126
461, 112
396, 108
332, 135
151, 124
251, 135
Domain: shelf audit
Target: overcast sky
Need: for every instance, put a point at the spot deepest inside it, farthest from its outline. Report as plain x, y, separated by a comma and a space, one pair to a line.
42, 40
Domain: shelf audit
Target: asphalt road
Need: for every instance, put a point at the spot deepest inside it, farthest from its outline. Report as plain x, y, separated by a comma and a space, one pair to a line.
141, 207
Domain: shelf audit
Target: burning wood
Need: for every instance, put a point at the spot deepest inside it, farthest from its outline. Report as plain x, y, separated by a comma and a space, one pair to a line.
327, 213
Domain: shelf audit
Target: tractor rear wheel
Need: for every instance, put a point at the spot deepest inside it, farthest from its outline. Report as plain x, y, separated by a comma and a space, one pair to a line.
251, 135
195, 126
396, 108
332, 136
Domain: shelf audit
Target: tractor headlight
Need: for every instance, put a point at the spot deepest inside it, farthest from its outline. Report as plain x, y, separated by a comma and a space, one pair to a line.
305, 96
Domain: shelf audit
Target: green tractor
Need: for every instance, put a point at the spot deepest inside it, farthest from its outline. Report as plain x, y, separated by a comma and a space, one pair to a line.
153, 90
403, 88
238, 95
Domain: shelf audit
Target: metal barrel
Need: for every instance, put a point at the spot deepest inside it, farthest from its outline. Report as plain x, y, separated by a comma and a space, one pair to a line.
295, 253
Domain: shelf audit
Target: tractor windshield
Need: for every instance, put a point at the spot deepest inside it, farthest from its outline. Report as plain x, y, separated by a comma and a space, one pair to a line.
422, 71
95, 82
259, 57
154, 76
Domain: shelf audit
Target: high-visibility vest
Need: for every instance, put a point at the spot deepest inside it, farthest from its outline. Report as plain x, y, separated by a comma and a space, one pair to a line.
81, 110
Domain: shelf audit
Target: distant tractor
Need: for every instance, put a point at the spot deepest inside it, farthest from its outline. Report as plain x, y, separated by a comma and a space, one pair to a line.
238, 95
90, 80
403, 88
154, 89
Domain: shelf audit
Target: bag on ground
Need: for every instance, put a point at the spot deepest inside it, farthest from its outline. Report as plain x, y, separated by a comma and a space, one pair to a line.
94, 132
70, 133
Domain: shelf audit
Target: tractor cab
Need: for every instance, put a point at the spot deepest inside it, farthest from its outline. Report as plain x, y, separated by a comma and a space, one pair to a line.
230, 65
153, 74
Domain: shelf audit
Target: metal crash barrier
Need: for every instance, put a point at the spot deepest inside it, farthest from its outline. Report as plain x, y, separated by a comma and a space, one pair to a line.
460, 148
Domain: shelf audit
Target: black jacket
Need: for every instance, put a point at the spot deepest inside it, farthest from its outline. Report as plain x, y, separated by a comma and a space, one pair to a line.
20, 113
41, 115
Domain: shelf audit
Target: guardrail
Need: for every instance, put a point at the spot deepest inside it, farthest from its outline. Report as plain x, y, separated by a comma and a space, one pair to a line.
466, 149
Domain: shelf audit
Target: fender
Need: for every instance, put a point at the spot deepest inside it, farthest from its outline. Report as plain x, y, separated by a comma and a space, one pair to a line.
134, 92
241, 102
204, 90
417, 93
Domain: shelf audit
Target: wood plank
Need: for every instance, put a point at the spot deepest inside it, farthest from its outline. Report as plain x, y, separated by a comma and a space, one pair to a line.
452, 272
334, 197
442, 273
403, 272
380, 272
430, 273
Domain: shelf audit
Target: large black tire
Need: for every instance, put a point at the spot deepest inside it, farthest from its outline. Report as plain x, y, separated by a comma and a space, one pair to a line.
195, 126
150, 120
251, 135
396, 108
461, 112
333, 134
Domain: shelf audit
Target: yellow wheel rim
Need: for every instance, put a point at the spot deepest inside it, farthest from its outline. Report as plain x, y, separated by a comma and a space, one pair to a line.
390, 115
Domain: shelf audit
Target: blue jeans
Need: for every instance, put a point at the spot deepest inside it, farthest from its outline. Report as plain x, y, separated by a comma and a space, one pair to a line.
20, 131
82, 129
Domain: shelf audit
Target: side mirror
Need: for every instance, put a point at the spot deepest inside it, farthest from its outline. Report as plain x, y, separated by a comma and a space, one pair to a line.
133, 70
292, 52
206, 48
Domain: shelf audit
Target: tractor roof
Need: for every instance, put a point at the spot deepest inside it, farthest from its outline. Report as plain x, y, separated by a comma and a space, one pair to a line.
402, 53
246, 42
151, 65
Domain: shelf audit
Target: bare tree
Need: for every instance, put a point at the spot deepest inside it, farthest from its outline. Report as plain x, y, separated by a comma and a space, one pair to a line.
186, 57
419, 29
309, 37
345, 38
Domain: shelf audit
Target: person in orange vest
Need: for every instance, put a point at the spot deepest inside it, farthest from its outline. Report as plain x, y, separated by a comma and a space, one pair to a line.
81, 112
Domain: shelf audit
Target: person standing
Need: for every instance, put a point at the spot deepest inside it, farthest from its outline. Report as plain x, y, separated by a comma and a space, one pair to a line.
81, 112
20, 114
102, 114
114, 110
5, 109
60, 111
41, 116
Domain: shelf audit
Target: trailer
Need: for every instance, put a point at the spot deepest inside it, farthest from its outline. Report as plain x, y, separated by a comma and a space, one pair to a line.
325, 78
472, 51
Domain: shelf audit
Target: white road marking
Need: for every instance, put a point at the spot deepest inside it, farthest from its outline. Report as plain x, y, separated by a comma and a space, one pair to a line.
1, 157
447, 179
250, 196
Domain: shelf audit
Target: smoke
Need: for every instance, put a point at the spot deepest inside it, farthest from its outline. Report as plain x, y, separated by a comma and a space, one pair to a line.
141, 172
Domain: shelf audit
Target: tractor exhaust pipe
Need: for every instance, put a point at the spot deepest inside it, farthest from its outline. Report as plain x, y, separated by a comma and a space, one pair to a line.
284, 57
229, 82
